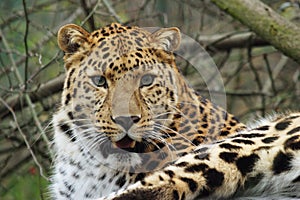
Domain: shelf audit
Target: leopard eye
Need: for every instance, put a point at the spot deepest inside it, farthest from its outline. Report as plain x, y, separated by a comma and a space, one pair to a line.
147, 80
99, 81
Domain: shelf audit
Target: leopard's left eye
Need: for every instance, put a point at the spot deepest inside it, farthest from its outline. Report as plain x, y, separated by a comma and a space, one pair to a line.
147, 80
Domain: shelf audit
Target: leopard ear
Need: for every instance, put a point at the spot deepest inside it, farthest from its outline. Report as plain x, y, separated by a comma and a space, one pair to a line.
167, 38
70, 37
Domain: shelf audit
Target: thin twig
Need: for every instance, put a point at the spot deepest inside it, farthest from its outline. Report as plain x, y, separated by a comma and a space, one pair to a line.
112, 11
27, 97
89, 14
271, 80
43, 91
236, 93
26, 44
24, 138
19, 14
276, 70
256, 77
34, 74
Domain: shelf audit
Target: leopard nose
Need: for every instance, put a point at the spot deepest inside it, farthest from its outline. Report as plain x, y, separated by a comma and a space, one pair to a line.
126, 121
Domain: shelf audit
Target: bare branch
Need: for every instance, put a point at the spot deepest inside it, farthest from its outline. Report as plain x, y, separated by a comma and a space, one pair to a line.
89, 13
26, 44
273, 28
45, 90
24, 138
112, 11
231, 40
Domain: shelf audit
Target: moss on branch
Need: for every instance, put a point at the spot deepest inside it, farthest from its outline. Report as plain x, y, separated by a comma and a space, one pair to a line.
281, 33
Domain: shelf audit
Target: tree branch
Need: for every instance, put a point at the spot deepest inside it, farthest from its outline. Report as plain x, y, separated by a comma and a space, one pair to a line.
45, 90
229, 41
282, 34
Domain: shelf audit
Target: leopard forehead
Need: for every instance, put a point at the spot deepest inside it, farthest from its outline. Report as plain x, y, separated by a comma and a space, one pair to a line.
116, 49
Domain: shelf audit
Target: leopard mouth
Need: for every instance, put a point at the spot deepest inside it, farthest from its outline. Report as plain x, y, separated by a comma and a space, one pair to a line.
126, 143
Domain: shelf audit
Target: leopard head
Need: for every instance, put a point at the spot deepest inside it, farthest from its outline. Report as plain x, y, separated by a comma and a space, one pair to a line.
122, 89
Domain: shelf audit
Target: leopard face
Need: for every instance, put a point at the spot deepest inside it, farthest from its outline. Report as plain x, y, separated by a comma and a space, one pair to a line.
122, 89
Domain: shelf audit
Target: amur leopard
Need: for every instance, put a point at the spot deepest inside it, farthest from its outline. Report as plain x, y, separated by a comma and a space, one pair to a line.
130, 127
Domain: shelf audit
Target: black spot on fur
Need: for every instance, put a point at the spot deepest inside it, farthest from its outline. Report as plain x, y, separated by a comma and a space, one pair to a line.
66, 130
102, 177
202, 156
196, 142
228, 156
242, 141
282, 162
121, 181
191, 183
69, 186
201, 109
296, 180
229, 146
87, 195
204, 125
251, 135
75, 175
182, 164
294, 130
160, 178
253, 181
170, 173
68, 98
282, 125
139, 177
224, 133
245, 164
214, 178
69, 77
293, 117
175, 195
183, 196
262, 128
292, 143
196, 168
269, 140
232, 123
62, 193
70, 114
204, 193
138, 55
77, 108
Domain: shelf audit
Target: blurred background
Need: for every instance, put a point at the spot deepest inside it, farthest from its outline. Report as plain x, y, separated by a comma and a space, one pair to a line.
258, 79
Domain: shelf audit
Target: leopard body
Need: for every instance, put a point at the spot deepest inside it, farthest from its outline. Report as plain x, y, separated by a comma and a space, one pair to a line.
129, 126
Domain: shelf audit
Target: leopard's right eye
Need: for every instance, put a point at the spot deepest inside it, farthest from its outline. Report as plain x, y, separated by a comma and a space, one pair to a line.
99, 81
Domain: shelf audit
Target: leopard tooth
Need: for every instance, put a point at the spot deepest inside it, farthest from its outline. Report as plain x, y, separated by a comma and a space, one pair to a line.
132, 145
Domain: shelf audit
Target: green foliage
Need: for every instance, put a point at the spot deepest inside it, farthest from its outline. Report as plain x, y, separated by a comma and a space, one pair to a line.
23, 185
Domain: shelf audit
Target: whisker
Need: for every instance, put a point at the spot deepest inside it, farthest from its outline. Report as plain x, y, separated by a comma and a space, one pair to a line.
169, 146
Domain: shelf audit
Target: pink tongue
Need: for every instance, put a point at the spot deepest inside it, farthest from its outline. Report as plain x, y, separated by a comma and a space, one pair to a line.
126, 142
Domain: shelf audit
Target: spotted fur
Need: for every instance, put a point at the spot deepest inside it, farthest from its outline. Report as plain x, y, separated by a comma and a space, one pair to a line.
126, 112
261, 163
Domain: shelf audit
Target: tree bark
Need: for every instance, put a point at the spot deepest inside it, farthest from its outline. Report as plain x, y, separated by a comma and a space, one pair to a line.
269, 25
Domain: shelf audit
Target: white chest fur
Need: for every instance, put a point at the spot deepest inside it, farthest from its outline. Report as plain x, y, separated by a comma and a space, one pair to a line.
80, 175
